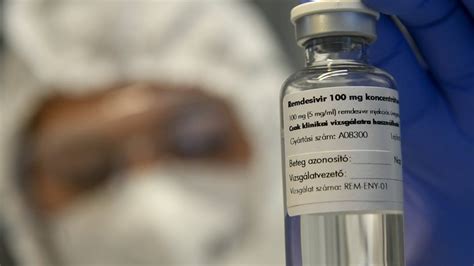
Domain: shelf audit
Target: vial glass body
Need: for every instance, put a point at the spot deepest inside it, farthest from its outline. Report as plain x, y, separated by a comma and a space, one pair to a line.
340, 238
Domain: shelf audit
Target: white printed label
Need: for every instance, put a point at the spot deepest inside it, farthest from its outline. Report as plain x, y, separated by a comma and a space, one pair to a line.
342, 150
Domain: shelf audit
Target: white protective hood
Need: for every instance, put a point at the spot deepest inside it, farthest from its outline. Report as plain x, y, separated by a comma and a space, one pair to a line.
222, 46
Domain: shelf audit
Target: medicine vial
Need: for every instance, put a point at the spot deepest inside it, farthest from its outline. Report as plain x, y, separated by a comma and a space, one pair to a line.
340, 127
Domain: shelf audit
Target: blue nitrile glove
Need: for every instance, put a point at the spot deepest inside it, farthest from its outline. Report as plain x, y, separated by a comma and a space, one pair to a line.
437, 112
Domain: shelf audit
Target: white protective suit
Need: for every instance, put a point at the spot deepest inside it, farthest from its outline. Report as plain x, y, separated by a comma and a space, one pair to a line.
223, 46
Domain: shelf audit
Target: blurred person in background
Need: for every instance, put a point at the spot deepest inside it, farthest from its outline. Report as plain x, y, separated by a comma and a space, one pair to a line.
140, 133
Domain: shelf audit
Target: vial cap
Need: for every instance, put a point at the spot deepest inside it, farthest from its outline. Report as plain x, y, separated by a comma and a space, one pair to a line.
322, 18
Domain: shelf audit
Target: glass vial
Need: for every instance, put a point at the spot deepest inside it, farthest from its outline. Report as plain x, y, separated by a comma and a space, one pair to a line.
341, 144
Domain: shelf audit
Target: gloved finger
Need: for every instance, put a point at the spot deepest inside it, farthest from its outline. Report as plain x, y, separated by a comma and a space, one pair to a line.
444, 32
437, 230
469, 6
392, 53
423, 110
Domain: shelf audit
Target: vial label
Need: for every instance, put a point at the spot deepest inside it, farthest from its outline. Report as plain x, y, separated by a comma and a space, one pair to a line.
342, 149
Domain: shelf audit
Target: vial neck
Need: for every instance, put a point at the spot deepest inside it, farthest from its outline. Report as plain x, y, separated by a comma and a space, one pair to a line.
328, 50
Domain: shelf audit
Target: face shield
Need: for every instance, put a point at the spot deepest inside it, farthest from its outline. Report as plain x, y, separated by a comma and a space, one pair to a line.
127, 175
